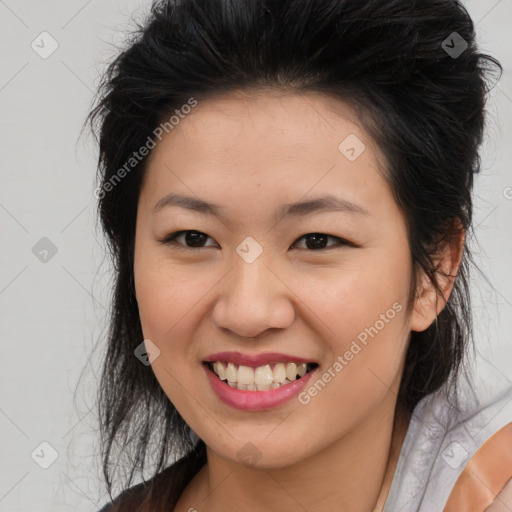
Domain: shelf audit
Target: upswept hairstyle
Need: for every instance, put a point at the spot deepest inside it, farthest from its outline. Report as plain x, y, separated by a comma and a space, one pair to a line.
395, 61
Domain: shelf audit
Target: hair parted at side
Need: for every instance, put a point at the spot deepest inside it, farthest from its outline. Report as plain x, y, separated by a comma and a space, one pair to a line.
424, 108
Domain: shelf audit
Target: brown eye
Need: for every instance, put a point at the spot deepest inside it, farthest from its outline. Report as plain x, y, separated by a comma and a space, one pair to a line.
191, 239
318, 241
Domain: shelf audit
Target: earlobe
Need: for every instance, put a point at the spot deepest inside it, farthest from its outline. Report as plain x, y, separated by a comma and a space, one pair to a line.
429, 302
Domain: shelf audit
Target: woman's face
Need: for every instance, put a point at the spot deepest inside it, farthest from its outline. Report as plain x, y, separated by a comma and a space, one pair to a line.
254, 280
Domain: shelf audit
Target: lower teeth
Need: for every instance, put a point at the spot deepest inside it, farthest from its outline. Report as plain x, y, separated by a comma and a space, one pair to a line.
253, 387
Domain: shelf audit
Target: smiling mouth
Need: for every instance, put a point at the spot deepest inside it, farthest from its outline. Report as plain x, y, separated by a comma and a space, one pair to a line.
261, 378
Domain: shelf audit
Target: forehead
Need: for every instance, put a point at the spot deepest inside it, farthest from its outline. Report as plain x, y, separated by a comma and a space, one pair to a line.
239, 120
268, 144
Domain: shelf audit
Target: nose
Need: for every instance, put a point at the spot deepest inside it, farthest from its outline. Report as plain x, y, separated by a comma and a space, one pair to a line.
253, 298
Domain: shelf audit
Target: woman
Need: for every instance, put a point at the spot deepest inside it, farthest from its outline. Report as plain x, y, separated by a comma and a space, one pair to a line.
286, 191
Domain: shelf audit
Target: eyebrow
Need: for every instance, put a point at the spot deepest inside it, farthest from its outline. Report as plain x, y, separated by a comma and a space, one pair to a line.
323, 203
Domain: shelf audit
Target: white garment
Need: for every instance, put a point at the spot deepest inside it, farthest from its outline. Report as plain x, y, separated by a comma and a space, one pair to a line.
440, 442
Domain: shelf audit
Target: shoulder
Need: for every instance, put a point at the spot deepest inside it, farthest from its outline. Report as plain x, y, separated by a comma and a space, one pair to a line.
142, 496
485, 483
131, 499
162, 490
449, 443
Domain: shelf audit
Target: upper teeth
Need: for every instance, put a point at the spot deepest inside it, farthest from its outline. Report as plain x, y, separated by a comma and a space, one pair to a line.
260, 378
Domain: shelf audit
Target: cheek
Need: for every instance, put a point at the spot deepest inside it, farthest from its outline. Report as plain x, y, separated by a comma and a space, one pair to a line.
359, 293
363, 309
365, 360
165, 292
167, 300
172, 302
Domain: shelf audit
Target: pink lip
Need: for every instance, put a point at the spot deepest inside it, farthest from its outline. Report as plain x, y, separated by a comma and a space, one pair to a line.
255, 360
256, 400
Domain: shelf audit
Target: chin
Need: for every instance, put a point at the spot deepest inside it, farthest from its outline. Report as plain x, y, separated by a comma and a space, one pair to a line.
261, 455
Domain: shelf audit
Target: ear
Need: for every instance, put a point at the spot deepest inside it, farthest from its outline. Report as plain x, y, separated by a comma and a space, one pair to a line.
428, 303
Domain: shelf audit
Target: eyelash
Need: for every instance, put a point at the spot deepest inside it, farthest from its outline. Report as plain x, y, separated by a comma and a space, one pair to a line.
170, 239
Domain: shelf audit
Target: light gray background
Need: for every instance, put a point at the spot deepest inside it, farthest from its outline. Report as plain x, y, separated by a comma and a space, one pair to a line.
52, 313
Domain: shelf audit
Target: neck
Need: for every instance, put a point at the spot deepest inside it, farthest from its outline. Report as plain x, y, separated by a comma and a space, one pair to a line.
352, 474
